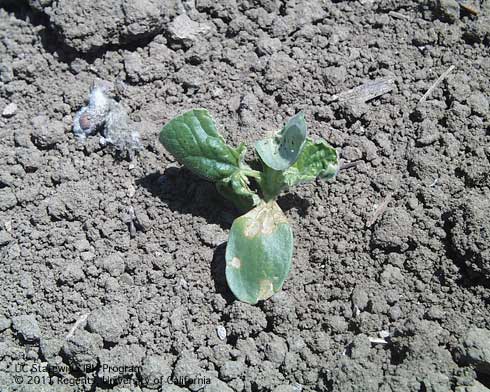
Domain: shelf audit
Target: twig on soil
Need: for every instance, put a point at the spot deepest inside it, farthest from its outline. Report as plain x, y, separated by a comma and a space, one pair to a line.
398, 15
129, 219
132, 227
76, 325
377, 341
367, 91
348, 165
469, 9
436, 83
380, 210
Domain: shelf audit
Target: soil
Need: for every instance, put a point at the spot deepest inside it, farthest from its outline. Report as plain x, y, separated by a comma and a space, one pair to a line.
112, 274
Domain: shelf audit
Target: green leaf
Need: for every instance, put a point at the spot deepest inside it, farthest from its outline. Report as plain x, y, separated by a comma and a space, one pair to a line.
193, 140
236, 189
282, 150
259, 253
317, 160
271, 183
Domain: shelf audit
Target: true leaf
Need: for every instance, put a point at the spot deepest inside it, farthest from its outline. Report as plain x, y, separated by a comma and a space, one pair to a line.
316, 160
259, 253
282, 150
193, 140
271, 182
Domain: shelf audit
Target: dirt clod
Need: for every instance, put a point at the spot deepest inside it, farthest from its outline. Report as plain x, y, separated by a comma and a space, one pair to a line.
470, 234
154, 369
448, 9
82, 350
45, 132
109, 322
27, 327
393, 229
475, 350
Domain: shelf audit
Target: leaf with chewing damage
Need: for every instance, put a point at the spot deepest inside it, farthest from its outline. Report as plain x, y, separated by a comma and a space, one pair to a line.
317, 160
282, 150
193, 140
259, 253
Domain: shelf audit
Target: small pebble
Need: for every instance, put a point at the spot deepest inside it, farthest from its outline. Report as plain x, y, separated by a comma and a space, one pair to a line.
109, 322
5, 238
351, 153
221, 331
9, 110
395, 312
31, 355
84, 121
4, 323
212, 235
297, 387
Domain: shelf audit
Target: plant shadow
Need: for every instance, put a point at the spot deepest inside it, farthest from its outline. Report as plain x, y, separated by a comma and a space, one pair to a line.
183, 192
291, 201
218, 266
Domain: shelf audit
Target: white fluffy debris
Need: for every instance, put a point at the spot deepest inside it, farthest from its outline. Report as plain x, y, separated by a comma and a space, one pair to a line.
107, 116
91, 117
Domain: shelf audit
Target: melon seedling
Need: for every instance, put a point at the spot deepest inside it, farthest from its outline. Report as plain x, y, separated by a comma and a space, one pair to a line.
260, 246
